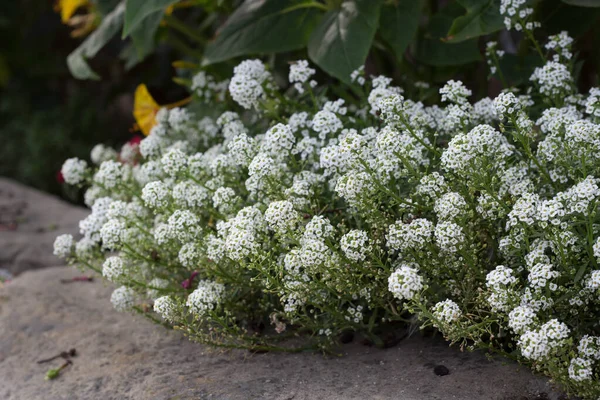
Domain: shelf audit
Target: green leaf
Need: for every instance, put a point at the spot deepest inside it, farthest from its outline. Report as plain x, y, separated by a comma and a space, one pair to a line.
143, 35
52, 373
341, 42
432, 50
398, 23
76, 61
263, 26
137, 11
583, 3
482, 18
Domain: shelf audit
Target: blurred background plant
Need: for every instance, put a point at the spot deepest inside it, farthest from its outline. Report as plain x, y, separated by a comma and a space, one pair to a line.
46, 115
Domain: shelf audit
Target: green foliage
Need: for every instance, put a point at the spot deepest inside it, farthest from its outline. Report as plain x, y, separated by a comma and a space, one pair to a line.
482, 18
138, 11
424, 40
341, 42
91, 46
398, 24
46, 115
143, 35
434, 51
265, 26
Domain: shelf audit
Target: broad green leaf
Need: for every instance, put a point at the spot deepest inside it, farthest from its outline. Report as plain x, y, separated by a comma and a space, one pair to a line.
143, 35
398, 23
482, 18
341, 42
263, 26
583, 3
110, 25
432, 50
138, 10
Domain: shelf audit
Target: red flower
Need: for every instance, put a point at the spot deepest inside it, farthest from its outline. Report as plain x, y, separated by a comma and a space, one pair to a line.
136, 139
187, 284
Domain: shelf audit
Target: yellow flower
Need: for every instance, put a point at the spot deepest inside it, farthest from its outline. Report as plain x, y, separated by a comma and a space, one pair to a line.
145, 108
82, 23
68, 7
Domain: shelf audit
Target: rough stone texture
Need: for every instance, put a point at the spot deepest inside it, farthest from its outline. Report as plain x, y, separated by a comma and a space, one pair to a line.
29, 222
121, 356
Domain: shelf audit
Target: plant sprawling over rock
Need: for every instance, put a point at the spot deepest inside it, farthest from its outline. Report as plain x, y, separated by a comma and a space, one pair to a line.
310, 214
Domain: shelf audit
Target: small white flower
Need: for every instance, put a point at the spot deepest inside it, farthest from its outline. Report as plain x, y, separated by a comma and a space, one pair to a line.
281, 216
356, 245
112, 233
405, 282
113, 268
447, 311
166, 307
123, 298
205, 298
580, 369
110, 174
73, 171
155, 194
101, 153
63, 246
174, 162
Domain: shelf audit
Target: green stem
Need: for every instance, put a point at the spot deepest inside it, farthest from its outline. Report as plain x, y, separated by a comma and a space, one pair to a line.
535, 42
312, 4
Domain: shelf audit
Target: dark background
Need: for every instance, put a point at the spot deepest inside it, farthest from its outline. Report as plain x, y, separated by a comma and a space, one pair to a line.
46, 115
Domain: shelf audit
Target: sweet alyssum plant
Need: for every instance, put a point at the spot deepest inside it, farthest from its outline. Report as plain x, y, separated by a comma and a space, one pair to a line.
299, 213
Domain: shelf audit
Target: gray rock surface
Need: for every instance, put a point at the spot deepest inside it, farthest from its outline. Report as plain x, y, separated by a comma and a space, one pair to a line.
121, 356
29, 222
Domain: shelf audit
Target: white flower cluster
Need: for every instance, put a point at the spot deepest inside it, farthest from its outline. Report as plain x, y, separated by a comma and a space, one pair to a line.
415, 235
63, 246
447, 311
205, 298
73, 171
455, 92
469, 153
493, 55
123, 298
300, 73
538, 344
206, 87
113, 268
405, 282
517, 15
561, 44
355, 245
281, 216
166, 307
553, 79
351, 210
247, 87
